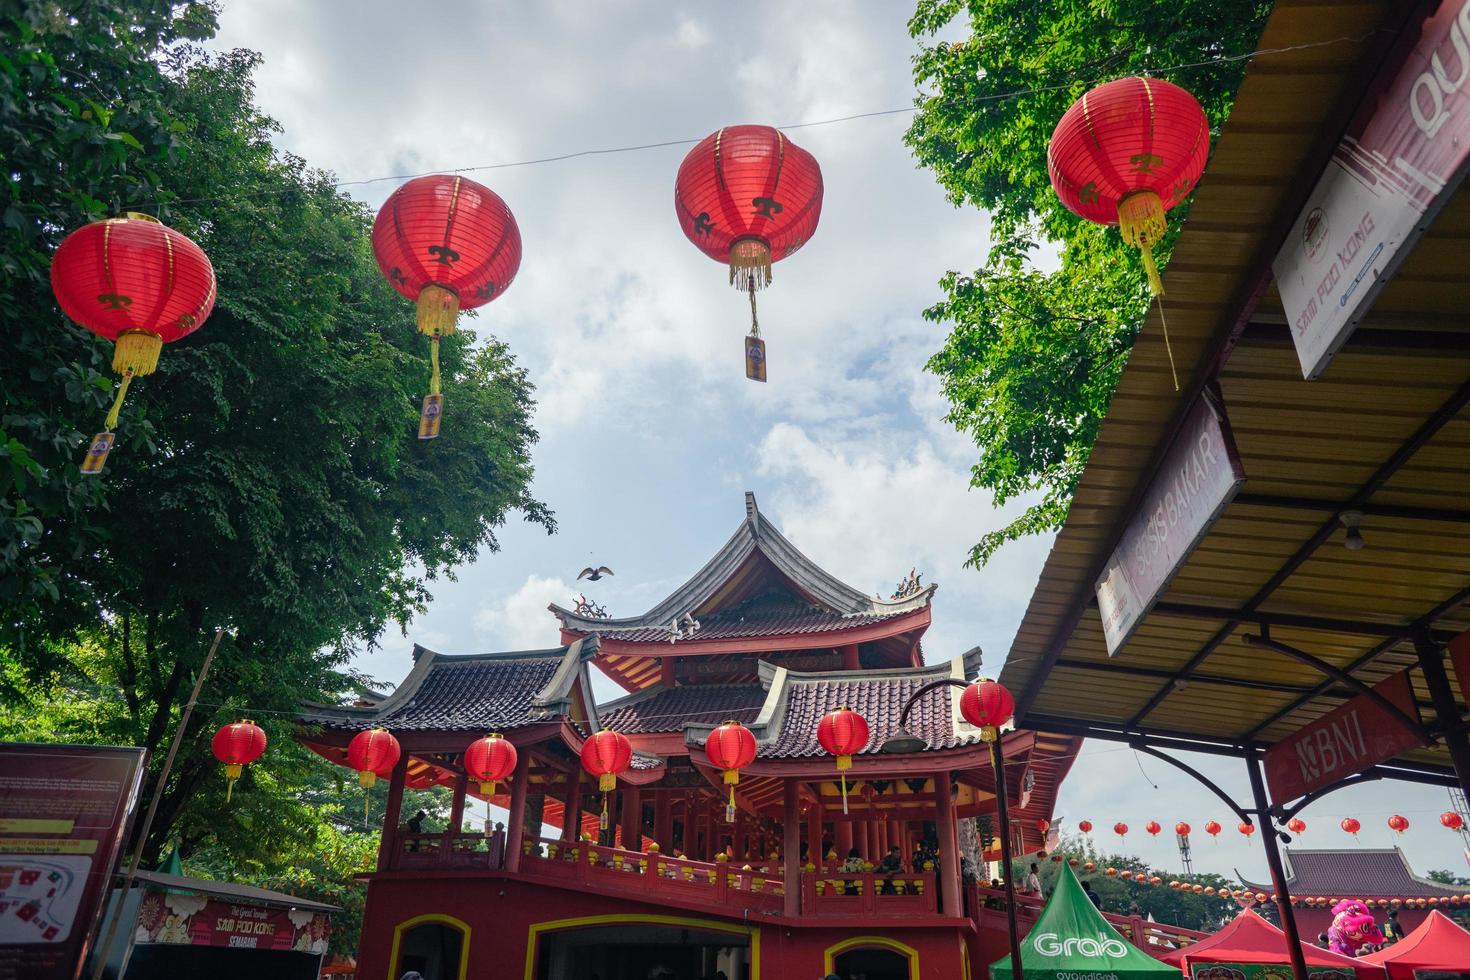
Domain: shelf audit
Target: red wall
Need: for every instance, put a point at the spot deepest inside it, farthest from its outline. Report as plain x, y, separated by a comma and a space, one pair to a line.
501, 911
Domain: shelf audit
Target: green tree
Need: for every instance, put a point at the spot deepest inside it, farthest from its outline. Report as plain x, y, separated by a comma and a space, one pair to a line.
1445, 877
1037, 341
268, 478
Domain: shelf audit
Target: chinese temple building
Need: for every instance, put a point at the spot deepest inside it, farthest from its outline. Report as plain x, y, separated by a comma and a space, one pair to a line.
760, 635
1379, 876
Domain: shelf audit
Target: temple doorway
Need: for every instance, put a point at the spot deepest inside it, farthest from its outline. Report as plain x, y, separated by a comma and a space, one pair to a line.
434, 949
642, 951
872, 963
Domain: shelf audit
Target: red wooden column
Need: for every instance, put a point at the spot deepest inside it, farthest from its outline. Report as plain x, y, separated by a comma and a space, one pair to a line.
662, 821
875, 846
740, 840
516, 825
850, 659
842, 838
571, 823
814, 853
791, 847
949, 859
632, 819
388, 843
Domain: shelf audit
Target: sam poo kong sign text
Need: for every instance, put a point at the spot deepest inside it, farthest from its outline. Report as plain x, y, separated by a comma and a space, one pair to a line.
1200, 473
1347, 740
1402, 157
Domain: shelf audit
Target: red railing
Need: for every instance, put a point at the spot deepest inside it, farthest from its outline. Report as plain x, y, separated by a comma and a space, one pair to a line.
868, 894
445, 851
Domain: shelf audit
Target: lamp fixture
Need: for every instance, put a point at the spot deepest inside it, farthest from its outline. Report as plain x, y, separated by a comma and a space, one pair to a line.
1351, 519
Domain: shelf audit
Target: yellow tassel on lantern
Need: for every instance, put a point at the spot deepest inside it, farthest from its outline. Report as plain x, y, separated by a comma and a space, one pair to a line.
232, 773
487, 789
135, 353
732, 779
844, 763
1141, 220
750, 264
438, 311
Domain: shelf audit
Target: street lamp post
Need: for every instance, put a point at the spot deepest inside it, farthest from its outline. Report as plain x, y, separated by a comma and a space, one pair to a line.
904, 743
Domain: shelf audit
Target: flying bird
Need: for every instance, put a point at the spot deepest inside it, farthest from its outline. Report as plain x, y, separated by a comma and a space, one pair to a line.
594, 574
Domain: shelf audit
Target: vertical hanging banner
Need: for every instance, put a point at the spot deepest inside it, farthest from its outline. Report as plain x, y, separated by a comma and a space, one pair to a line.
1402, 157
64, 815
1200, 474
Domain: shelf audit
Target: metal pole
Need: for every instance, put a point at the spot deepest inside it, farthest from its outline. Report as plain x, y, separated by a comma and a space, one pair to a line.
1451, 724
1003, 826
168, 765
1273, 860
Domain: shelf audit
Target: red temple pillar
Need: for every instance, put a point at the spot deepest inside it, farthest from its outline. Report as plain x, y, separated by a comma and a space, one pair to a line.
516, 826
850, 659
875, 847
791, 848
571, 821
388, 843
632, 819
814, 853
842, 838
739, 840
949, 859
662, 820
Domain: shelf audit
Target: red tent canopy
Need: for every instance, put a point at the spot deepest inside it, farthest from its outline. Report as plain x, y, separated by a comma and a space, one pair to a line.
1251, 939
1438, 944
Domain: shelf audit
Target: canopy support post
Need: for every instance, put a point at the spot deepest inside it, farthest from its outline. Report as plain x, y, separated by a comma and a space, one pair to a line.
1278, 872
1451, 722
1003, 828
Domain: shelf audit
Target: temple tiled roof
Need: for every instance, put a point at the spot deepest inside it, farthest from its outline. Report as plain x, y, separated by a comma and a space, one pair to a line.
763, 616
478, 692
839, 604
1372, 872
786, 727
666, 709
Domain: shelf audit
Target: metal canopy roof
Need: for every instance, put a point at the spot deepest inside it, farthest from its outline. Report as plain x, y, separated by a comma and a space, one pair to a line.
1384, 431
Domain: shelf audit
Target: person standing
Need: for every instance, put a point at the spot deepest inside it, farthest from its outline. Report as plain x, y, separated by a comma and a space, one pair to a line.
1392, 931
1094, 896
1033, 880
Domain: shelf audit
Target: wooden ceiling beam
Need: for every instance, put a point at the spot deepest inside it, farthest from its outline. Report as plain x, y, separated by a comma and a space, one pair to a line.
1440, 514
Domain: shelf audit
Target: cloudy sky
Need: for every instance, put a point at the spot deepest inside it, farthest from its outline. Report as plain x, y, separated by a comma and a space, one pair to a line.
649, 431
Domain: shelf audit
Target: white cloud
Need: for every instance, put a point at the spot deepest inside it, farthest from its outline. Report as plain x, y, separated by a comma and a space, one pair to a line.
520, 621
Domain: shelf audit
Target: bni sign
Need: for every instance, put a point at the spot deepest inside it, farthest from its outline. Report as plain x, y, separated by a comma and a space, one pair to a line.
1401, 159
1200, 473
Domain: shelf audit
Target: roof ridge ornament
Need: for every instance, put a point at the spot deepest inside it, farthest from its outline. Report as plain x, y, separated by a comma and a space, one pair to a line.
587, 608
909, 586
683, 629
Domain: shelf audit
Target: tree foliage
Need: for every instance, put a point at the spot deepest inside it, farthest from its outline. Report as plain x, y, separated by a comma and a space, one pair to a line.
1040, 332
267, 480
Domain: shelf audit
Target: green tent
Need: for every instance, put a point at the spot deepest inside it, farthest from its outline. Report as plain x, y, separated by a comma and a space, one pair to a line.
1071, 939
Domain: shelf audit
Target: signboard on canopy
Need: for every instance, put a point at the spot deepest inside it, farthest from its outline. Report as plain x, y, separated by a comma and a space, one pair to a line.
1200, 474
1347, 740
64, 815
191, 919
1403, 156
1261, 971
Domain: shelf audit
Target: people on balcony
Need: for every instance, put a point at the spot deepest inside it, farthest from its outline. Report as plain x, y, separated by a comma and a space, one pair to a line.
890, 865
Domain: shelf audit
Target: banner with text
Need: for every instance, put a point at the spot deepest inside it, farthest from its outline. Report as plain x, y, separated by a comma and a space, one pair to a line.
1201, 472
191, 919
1347, 740
64, 812
1402, 157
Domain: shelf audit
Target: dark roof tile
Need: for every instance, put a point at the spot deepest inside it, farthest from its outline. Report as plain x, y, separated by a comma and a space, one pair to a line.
1357, 873
670, 709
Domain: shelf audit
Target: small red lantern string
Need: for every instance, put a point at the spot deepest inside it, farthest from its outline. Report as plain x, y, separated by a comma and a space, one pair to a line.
730, 747
137, 283
1296, 825
1351, 825
1451, 820
605, 755
490, 760
1153, 828
1182, 829
1042, 826
1398, 823
1246, 827
1085, 826
1121, 829
1212, 827
843, 733
372, 753
237, 746
448, 244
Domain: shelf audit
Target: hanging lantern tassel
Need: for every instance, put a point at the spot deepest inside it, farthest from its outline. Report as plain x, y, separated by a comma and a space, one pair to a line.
366, 779
755, 347
1141, 220
607, 782
232, 773
438, 311
844, 763
732, 779
135, 353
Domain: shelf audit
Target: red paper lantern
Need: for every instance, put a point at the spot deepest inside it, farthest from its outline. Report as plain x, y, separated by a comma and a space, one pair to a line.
1296, 825
730, 747
988, 706
1350, 825
1125, 153
372, 753
604, 755
1126, 875
1153, 828
1120, 828
139, 284
1085, 826
1182, 829
1246, 827
490, 760
748, 197
1451, 820
1111, 872
448, 244
1212, 828
1043, 826
1398, 824
237, 746
843, 733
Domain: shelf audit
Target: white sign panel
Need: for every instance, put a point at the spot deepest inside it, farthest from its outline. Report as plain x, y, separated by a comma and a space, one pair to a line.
1400, 160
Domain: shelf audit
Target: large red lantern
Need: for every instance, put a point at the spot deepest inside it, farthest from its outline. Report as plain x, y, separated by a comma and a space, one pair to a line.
843, 733
1451, 820
987, 705
1398, 824
1125, 153
1042, 826
372, 753
749, 197
448, 244
604, 755
1085, 826
730, 747
139, 284
1153, 828
237, 746
490, 760
1351, 825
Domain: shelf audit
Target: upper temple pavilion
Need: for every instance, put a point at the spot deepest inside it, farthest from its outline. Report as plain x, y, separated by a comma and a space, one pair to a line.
761, 635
